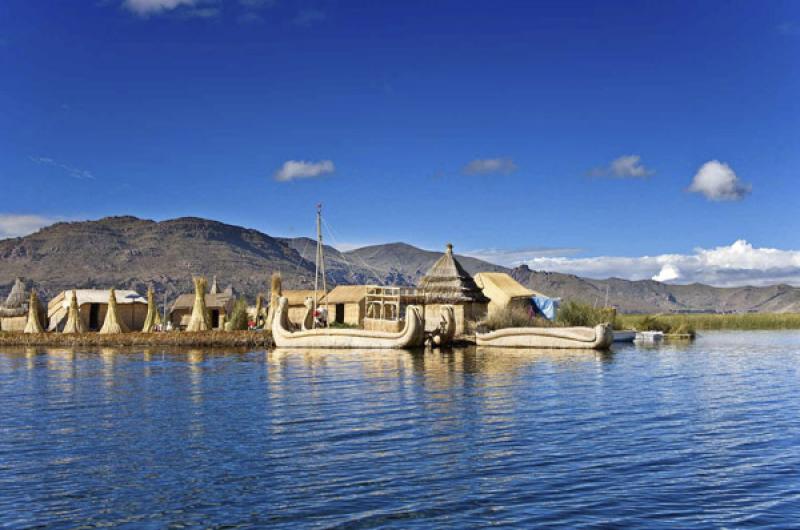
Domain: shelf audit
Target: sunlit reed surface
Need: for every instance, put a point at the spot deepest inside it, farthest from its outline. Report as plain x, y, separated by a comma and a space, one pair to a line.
692, 436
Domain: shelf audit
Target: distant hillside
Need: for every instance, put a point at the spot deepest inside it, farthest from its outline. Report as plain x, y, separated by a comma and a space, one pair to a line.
647, 296
127, 252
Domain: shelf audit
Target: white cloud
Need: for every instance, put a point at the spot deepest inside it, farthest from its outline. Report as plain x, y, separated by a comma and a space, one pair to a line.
14, 225
514, 257
668, 273
626, 166
733, 265
80, 174
718, 182
489, 166
298, 169
154, 7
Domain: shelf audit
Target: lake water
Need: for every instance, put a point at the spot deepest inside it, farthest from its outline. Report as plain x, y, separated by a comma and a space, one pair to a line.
705, 435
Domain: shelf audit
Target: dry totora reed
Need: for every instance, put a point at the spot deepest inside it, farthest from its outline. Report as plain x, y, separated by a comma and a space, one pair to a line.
74, 323
112, 324
199, 320
34, 325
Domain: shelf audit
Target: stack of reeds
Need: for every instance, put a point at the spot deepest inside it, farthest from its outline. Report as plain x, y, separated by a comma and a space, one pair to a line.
112, 323
199, 320
74, 323
153, 318
276, 290
34, 325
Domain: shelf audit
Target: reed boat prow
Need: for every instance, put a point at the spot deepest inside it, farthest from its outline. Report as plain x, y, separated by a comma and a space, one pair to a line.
412, 334
599, 337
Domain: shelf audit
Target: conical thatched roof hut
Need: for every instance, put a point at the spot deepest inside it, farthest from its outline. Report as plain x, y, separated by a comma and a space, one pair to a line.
447, 282
16, 303
112, 323
34, 324
16, 298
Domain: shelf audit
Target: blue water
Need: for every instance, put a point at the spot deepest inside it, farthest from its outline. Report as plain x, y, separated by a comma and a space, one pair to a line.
705, 435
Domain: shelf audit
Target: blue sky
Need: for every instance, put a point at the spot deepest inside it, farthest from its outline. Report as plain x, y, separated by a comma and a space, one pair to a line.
552, 133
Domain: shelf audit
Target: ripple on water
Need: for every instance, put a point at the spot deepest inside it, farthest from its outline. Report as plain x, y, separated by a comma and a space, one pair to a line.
695, 436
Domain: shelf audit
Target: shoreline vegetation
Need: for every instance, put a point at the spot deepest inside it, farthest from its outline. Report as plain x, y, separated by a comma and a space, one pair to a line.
678, 324
255, 338
714, 321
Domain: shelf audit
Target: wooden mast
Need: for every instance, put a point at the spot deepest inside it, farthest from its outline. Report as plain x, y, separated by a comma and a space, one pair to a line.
319, 266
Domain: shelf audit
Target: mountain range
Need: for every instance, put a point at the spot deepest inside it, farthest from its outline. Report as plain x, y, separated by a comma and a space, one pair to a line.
127, 252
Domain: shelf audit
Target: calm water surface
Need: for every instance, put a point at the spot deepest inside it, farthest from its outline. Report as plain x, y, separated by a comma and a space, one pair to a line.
693, 436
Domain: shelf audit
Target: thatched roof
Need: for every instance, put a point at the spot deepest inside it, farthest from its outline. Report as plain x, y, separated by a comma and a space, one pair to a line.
16, 298
347, 294
449, 283
213, 301
297, 297
504, 283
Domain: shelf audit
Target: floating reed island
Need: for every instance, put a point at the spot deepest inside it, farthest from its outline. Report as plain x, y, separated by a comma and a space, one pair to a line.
92, 317
448, 307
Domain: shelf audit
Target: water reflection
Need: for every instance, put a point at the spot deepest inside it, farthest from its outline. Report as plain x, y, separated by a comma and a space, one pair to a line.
700, 435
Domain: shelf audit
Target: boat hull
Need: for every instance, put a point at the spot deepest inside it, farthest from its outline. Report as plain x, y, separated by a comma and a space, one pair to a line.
411, 336
599, 338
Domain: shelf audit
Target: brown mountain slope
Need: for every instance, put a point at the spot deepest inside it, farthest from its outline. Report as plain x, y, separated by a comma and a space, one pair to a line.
127, 252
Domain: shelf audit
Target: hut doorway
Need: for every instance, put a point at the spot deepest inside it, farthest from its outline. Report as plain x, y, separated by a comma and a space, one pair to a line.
214, 318
94, 317
339, 317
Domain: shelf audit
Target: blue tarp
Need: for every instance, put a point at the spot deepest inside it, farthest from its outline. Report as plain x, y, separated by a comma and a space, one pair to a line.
547, 307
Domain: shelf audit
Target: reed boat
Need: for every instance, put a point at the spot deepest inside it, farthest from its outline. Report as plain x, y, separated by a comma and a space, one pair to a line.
599, 337
412, 334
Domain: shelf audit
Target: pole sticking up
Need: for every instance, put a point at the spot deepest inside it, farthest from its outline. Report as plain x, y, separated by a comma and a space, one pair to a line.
319, 266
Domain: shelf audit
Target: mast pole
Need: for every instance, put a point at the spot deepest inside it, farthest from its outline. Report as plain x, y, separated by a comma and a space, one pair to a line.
316, 265
322, 262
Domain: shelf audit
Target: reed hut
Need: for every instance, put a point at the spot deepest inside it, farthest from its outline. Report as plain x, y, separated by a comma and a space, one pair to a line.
92, 306
448, 283
218, 308
298, 301
112, 323
14, 311
503, 292
347, 304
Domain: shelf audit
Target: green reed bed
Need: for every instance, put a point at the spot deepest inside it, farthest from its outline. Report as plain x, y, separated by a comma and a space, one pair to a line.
712, 321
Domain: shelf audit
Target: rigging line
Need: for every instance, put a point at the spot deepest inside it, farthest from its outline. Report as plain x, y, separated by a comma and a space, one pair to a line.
349, 266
